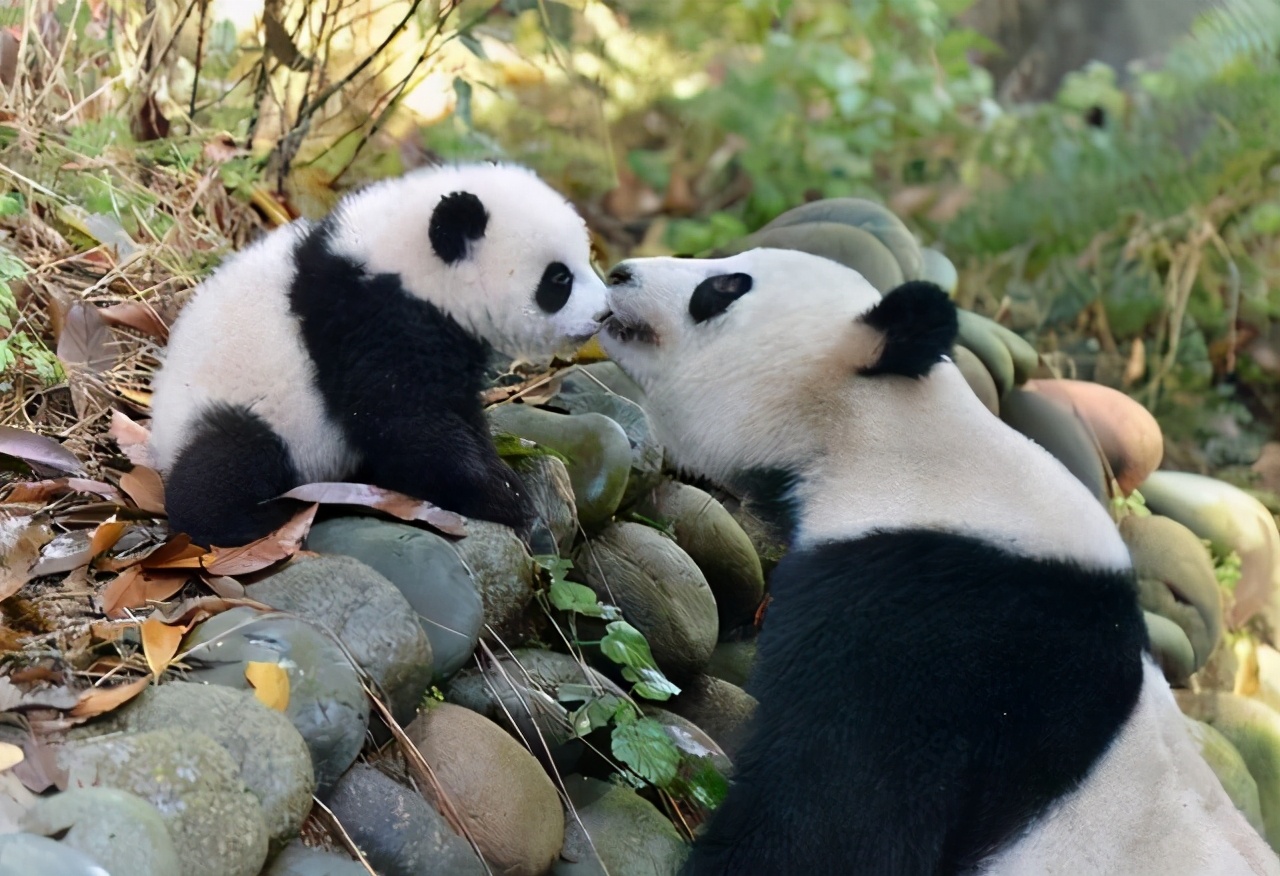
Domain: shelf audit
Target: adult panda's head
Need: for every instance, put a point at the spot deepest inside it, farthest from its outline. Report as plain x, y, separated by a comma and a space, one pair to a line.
744, 359
492, 245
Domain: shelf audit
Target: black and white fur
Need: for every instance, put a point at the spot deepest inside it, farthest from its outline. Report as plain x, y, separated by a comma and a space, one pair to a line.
354, 349
952, 674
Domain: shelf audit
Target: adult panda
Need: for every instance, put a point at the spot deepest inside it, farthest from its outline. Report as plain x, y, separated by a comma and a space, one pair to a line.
952, 675
354, 348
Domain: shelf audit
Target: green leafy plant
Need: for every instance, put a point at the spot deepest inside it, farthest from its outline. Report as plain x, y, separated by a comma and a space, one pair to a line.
641, 744
18, 349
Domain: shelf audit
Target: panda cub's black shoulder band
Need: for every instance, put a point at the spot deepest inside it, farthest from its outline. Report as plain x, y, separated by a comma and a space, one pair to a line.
918, 322
459, 219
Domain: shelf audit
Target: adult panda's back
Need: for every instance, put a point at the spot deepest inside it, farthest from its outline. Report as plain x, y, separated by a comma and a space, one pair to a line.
237, 344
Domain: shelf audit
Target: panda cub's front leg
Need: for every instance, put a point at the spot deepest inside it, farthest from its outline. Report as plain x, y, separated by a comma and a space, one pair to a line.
449, 462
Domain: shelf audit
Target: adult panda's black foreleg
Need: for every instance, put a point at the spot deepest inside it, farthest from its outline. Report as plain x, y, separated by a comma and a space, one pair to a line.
220, 487
447, 461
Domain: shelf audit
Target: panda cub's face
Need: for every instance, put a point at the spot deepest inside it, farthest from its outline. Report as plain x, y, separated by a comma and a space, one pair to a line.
503, 253
735, 353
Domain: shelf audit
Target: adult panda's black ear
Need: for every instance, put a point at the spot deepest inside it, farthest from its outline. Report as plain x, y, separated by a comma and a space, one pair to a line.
917, 326
459, 219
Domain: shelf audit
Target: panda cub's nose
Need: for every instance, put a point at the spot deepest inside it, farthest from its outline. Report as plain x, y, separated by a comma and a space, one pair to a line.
620, 276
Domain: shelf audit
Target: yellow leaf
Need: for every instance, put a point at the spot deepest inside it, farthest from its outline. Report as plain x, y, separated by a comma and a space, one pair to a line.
270, 684
10, 756
159, 643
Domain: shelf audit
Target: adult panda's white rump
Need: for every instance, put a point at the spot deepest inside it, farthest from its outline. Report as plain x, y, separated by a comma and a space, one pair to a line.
1150, 807
237, 343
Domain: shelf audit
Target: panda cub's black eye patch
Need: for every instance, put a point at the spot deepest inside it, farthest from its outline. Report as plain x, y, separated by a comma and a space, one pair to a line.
713, 295
457, 221
554, 287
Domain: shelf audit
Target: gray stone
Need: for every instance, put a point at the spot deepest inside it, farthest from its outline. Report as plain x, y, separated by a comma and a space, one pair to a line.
215, 822
425, 568
523, 693
272, 755
596, 450
547, 482
298, 860
660, 591
707, 532
119, 830
718, 707
504, 573
327, 703
396, 829
616, 832
732, 661
581, 394
367, 613
25, 854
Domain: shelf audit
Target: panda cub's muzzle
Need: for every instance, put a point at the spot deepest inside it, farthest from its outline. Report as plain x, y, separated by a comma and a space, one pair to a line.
619, 323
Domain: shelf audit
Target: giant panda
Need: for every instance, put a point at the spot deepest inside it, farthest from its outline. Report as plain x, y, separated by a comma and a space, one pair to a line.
952, 674
355, 347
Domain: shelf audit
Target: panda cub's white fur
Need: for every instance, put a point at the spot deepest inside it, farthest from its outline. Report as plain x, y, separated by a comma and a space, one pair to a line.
355, 347
952, 675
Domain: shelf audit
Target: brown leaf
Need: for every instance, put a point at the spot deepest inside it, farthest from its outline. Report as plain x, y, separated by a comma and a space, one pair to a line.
144, 487
100, 700
266, 551
106, 535
282, 45
191, 611
136, 315
42, 491
396, 504
176, 553
85, 341
136, 587
160, 642
38, 451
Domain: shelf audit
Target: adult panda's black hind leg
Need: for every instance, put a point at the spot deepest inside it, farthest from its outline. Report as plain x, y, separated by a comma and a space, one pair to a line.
447, 461
218, 489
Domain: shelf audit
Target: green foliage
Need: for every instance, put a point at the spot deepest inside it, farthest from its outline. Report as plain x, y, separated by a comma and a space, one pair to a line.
1226, 567
19, 350
514, 449
644, 746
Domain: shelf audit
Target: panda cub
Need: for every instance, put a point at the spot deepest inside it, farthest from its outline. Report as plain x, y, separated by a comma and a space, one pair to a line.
953, 674
354, 349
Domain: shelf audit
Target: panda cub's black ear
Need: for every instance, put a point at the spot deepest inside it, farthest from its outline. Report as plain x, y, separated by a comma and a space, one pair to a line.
917, 325
459, 219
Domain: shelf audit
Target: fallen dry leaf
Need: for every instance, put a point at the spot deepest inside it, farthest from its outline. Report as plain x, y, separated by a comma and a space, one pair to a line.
85, 340
133, 438
191, 611
21, 539
66, 552
136, 315
159, 643
222, 148
144, 487
43, 491
39, 769
176, 553
266, 551
100, 700
38, 451
270, 684
137, 586
106, 535
228, 588
396, 504
11, 755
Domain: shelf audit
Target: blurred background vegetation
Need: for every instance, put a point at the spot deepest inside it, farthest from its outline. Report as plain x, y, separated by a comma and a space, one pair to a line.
1104, 173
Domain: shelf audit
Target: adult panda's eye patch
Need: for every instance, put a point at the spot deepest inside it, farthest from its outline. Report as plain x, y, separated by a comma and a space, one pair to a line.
713, 295
554, 288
